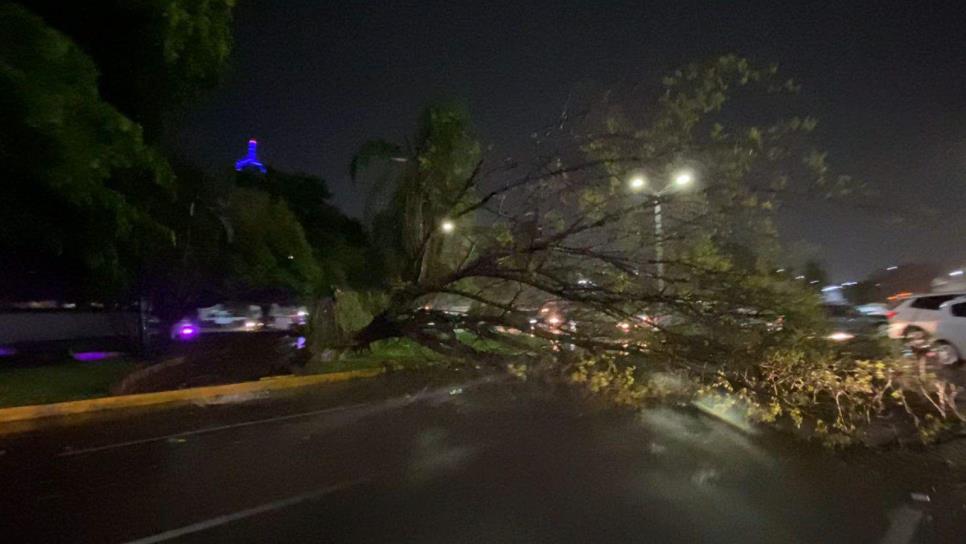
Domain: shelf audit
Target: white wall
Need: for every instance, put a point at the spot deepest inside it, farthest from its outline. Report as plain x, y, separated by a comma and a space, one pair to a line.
45, 326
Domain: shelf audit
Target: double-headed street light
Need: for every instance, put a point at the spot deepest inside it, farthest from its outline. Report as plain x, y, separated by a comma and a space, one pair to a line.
679, 180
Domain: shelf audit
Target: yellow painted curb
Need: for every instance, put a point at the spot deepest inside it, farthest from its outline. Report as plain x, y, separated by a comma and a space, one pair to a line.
213, 392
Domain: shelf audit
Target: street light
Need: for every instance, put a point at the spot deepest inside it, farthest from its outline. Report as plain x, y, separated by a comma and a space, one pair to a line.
679, 180
638, 183
447, 226
683, 178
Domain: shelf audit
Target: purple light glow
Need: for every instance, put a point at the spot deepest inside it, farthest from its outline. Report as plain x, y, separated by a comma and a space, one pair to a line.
94, 355
187, 332
7, 351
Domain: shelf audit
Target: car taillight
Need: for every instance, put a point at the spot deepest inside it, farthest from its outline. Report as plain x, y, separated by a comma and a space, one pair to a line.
890, 314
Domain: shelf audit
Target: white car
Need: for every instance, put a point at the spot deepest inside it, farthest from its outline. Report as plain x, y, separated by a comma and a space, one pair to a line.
230, 317
935, 321
874, 308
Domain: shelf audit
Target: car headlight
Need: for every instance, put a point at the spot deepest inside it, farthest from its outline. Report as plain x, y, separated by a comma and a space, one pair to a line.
840, 336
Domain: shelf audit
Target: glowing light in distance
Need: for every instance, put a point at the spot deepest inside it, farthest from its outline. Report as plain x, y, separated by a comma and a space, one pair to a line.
840, 336
250, 160
188, 332
683, 178
447, 226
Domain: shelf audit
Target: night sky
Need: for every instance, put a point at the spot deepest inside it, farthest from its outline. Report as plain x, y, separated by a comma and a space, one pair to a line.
312, 80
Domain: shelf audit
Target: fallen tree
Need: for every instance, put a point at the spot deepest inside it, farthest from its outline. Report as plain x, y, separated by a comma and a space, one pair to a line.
483, 249
641, 231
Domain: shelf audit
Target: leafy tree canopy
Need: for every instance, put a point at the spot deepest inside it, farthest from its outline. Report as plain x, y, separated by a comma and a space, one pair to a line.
86, 197
421, 182
564, 235
269, 252
338, 242
79, 182
151, 55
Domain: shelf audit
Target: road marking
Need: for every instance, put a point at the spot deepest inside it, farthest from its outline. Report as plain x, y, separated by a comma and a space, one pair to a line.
242, 514
207, 430
441, 393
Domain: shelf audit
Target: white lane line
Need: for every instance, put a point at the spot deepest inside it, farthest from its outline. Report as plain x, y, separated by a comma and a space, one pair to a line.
242, 514
207, 430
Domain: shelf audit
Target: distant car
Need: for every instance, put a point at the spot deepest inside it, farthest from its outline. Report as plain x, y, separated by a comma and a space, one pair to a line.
934, 322
874, 308
231, 317
848, 323
285, 318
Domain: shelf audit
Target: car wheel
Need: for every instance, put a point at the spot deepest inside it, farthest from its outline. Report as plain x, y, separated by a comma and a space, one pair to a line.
946, 353
916, 339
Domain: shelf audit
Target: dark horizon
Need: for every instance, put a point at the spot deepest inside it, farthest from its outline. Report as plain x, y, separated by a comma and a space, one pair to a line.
312, 81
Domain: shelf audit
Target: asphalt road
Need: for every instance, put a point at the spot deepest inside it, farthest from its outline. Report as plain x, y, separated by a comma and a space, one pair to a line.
405, 460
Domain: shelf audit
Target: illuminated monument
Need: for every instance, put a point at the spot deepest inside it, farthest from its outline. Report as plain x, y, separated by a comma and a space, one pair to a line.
250, 161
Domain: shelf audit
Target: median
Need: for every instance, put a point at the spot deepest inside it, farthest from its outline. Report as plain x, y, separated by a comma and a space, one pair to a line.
207, 395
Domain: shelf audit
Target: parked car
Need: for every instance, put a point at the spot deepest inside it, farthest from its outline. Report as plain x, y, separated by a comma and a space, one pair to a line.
933, 322
849, 323
874, 308
286, 318
231, 317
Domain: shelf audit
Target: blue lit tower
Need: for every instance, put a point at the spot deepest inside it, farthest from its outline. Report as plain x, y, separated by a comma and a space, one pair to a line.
250, 161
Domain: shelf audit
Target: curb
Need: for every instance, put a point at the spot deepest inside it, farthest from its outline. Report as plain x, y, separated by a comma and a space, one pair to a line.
210, 394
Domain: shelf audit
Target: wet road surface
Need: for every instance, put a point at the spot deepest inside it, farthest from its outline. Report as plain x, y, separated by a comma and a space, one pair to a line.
454, 460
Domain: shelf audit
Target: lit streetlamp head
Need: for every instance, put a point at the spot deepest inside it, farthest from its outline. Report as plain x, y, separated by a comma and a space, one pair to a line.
447, 226
683, 178
637, 183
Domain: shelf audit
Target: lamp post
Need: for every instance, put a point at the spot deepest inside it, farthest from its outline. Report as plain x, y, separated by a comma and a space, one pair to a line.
679, 180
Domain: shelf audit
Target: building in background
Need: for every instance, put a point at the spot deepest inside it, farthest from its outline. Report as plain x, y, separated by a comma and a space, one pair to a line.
250, 161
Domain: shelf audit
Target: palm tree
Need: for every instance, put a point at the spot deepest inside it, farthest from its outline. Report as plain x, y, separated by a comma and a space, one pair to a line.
415, 188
